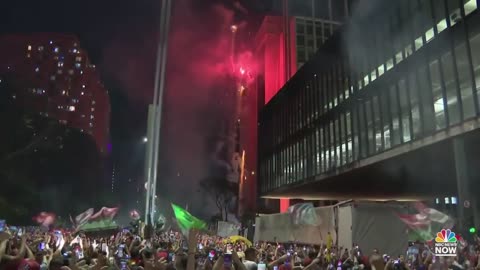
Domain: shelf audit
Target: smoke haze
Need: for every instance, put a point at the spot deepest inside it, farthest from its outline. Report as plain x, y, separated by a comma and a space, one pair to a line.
198, 63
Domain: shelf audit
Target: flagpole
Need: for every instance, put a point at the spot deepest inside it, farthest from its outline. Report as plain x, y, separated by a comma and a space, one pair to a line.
152, 160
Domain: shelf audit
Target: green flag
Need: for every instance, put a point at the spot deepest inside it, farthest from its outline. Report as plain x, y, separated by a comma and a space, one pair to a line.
186, 221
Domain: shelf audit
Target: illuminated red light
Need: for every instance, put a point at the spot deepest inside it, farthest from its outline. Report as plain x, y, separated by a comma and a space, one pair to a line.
242, 71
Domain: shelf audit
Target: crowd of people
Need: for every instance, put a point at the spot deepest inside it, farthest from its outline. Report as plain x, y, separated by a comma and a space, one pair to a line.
54, 250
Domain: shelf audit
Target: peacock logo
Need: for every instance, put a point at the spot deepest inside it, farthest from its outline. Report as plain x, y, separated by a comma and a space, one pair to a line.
446, 243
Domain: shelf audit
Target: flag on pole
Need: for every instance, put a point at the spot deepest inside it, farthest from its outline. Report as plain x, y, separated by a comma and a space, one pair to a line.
434, 215
424, 225
304, 214
187, 221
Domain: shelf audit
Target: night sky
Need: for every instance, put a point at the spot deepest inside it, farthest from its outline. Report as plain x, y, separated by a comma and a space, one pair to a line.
120, 37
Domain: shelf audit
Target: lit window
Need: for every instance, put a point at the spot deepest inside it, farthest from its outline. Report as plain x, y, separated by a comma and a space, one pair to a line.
429, 35
60, 71
78, 58
75, 44
70, 72
418, 43
37, 69
437, 201
93, 109
28, 55
83, 115
63, 92
29, 47
81, 71
91, 124
60, 64
442, 25
447, 200
71, 108
74, 50
91, 116
78, 65
51, 42
14, 96
83, 86
52, 77
56, 50
82, 93
454, 200
40, 48
93, 102
470, 6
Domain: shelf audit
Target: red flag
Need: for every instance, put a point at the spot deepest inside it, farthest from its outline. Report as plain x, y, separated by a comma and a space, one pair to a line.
105, 212
434, 215
83, 218
418, 221
45, 219
134, 215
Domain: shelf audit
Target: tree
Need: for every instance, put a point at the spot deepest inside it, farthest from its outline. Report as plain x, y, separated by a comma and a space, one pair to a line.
222, 192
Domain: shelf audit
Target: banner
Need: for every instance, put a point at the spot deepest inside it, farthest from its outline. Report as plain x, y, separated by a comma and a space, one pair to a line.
281, 228
227, 229
304, 214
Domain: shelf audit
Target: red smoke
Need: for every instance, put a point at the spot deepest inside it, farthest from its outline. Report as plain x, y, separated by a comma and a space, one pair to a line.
199, 56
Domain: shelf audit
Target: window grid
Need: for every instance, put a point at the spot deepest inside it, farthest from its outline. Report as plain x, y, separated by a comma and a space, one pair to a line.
408, 107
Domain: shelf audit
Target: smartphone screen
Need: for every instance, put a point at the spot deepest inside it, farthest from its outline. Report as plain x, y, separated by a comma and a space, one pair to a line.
79, 254
123, 265
120, 251
41, 246
227, 260
211, 255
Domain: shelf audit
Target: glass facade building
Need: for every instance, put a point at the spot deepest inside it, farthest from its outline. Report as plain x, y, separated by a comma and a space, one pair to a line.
407, 73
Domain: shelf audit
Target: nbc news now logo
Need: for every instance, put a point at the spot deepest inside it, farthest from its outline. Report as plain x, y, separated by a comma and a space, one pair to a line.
446, 244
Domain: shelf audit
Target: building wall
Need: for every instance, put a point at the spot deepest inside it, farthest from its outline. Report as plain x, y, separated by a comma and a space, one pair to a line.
310, 35
55, 78
386, 81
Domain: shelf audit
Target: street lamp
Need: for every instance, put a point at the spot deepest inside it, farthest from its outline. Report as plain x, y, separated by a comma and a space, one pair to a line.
145, 139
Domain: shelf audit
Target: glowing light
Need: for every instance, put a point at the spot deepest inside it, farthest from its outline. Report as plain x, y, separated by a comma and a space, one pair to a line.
242, 70
71, 108
145, 139
233, 28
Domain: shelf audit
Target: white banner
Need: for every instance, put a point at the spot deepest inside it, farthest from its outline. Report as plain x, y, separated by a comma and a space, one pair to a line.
281, 228
227, 229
